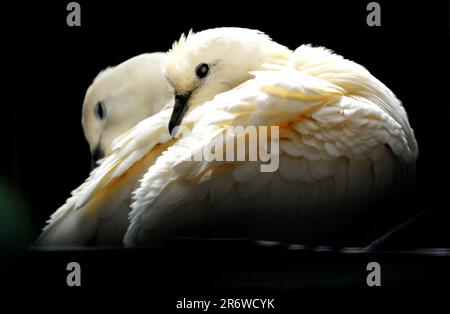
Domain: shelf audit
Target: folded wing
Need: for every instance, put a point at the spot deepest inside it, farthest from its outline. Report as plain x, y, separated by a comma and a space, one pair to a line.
98, 209
344, 141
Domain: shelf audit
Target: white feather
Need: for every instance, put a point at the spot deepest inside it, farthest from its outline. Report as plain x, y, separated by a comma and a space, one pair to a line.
335, 120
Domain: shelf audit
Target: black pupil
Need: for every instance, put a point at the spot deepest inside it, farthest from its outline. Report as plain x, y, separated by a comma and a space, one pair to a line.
99, 110
202, 70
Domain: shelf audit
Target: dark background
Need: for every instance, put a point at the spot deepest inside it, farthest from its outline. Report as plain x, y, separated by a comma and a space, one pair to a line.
50, 65
47, 67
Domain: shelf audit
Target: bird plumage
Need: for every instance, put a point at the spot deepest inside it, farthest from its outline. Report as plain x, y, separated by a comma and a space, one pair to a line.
98, 209
345, 142
128, 92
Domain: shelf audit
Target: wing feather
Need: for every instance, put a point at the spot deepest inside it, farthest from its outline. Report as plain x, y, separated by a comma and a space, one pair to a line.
107, 191
342, 136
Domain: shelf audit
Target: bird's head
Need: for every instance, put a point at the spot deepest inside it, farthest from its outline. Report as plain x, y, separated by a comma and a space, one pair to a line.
122, 96
202, 65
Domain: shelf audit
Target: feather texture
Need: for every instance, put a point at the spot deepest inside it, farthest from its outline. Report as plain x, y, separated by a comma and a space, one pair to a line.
343, 135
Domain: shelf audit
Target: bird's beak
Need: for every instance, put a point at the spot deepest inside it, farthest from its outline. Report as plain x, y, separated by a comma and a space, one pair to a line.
97, 154
179, 109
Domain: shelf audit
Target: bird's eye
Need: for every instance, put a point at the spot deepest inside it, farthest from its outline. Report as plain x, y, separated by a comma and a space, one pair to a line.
100, 110
202, 70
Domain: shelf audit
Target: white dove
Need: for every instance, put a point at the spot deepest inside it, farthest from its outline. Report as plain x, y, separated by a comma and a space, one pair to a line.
118, 99
344, 143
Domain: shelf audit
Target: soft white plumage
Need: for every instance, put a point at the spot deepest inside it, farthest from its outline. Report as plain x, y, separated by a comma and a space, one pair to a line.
128, 93
98, 210
345, 142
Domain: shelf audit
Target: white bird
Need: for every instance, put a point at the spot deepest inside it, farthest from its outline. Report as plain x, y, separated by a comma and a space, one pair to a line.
118, 99
345, 142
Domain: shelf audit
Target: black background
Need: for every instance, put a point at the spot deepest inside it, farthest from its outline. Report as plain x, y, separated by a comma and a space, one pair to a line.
47, 67
51, 65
